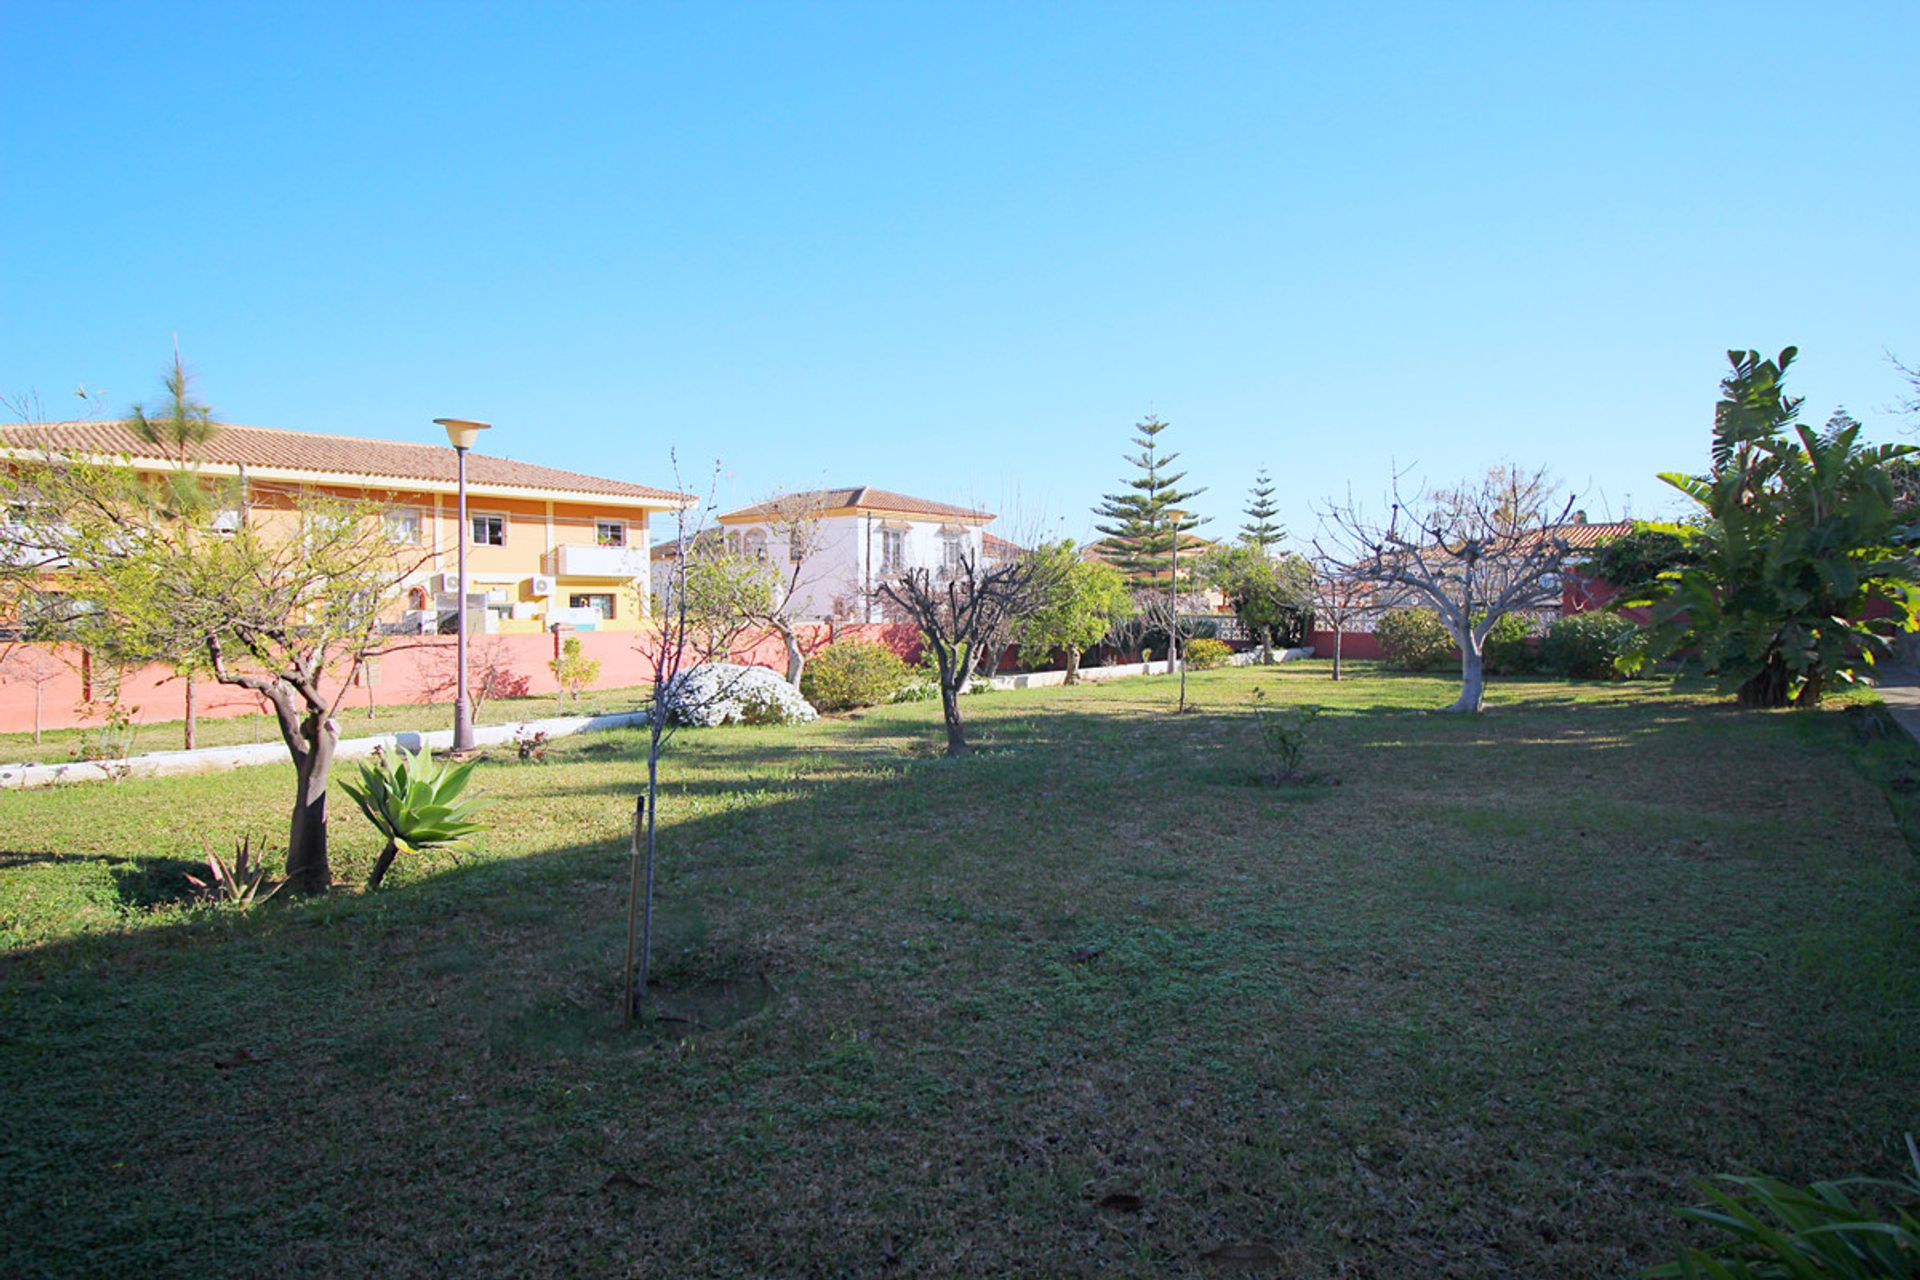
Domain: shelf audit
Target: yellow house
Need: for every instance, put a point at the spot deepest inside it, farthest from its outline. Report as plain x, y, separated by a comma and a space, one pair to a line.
544, 546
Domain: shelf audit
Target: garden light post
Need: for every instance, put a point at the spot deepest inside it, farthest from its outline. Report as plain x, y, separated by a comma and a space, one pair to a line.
461, 434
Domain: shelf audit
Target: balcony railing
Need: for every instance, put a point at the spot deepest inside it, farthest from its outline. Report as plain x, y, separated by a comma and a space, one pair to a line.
572, 560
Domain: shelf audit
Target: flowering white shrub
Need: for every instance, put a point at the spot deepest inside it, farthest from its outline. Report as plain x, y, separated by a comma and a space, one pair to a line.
723, 693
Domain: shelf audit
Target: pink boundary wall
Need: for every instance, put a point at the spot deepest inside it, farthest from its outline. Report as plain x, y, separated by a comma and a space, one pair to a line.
404, 676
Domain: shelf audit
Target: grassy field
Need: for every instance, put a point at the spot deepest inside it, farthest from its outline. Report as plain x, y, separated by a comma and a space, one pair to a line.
1484, 1002
58, 745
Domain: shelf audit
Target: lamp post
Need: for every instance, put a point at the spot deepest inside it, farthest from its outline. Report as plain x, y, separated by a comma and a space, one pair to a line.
461, 434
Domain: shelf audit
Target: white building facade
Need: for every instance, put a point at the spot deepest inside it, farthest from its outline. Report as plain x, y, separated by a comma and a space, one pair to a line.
844, 544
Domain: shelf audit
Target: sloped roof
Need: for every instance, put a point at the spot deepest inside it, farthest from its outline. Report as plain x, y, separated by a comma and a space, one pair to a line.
857, 498
995, 547
344, 456
1582, 535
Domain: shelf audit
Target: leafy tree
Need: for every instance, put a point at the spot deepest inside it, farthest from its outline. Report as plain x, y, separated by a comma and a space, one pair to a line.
1261, 529
1076, 601
765, 590
1799, 536
289, 608
1634, 560
177, 430
1266, 592
573, 670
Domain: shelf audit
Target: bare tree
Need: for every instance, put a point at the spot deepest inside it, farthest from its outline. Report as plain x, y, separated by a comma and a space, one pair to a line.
964, 609
1471, 554
25, 664
697, 626
490, 673
1342, 596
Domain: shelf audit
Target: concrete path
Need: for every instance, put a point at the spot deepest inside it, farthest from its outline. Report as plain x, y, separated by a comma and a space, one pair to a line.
170, 764
1900, 689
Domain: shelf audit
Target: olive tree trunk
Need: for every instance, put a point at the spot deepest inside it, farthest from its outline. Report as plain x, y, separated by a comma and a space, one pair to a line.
796, 660
1073, 665
311, 740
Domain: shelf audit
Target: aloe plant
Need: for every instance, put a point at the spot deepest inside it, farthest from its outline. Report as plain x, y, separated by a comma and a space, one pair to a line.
415, 803
241, 883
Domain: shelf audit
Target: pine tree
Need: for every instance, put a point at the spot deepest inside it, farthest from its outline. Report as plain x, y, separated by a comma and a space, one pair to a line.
1147, 517
1148, 529
190, 497
1261, 530
186, 422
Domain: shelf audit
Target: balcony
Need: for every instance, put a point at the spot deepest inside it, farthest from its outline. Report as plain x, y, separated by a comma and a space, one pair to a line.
582, 561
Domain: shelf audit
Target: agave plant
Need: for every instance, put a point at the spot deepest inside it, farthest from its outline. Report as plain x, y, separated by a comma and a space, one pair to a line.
241, 883
416, 805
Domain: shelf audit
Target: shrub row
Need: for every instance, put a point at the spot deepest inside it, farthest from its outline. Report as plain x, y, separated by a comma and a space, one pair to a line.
1581, 645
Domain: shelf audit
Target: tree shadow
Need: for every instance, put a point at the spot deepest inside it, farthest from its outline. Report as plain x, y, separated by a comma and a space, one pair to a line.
150, 882
950, 948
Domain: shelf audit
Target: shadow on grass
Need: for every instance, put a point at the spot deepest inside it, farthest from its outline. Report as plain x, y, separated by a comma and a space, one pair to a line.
1023, 961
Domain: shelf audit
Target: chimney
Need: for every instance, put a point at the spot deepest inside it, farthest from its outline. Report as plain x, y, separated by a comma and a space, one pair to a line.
1579, 517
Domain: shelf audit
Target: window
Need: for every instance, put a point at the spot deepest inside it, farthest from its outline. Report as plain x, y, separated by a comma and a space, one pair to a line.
403, 525
893, 550
756, 544
489, 530
953, 546
601, 602
610, 533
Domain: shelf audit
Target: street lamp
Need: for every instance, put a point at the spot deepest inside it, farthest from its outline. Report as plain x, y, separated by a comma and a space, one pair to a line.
461, 434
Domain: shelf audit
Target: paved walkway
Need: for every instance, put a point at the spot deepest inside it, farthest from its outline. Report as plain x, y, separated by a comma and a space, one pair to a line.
1900, 689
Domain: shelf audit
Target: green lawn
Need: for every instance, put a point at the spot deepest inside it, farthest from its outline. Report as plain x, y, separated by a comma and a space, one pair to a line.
1484, 1008
57, 745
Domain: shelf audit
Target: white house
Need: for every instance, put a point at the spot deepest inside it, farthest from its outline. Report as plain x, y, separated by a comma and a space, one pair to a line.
850, 541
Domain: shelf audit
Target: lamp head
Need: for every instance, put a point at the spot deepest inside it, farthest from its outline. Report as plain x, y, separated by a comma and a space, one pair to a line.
461, 432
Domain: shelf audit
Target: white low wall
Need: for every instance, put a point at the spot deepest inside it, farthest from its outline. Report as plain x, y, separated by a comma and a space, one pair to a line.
172, 764
1048, 679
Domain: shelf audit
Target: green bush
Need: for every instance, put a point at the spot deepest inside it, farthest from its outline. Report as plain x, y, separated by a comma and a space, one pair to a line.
1415, 640
853, 673
1206, 653
1508, 649
1584, 645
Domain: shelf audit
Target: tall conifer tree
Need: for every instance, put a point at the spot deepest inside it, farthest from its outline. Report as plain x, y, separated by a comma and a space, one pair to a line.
1147, 525
1146, 520
1261, 529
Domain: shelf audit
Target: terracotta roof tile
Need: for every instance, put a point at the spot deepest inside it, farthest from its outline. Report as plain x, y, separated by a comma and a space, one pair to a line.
332, 455
860, 498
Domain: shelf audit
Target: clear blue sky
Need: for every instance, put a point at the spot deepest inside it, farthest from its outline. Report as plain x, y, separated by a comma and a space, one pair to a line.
957, 250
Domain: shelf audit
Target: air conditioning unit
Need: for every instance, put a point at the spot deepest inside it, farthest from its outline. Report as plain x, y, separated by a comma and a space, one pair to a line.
445, 584
540, 585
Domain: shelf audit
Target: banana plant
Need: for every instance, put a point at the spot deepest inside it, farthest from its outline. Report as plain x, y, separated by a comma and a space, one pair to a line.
415, 803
